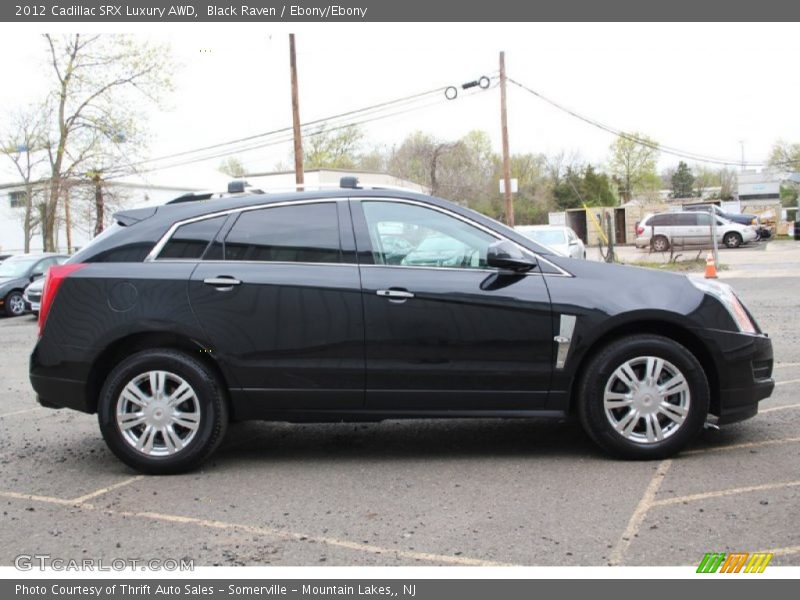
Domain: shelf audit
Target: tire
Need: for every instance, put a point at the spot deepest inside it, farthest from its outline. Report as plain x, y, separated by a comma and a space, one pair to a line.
660, 244
14, 304
606, 403
167, 443
732, 239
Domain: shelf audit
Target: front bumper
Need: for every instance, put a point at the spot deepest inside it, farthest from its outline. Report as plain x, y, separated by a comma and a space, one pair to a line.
744, 373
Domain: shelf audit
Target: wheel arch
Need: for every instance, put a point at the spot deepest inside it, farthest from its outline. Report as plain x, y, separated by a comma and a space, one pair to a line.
127, 345
668, 329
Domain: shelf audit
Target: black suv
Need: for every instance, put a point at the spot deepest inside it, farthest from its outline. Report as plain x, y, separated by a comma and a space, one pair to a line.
306, 307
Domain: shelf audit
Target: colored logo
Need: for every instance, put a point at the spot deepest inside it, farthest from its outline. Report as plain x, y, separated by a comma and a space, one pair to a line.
735, 562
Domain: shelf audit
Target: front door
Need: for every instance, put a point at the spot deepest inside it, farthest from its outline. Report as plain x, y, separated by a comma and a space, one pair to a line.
442, 330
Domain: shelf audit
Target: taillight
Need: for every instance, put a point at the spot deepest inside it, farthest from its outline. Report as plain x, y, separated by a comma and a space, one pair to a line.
55, 277
639, 230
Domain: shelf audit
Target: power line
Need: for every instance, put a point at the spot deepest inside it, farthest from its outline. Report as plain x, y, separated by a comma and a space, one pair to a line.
371, 108
644, 142
283, 135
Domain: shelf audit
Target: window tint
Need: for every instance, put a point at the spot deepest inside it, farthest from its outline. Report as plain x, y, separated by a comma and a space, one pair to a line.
704, 219
190, 240
684, 220
301, 233
406, 234
662, 220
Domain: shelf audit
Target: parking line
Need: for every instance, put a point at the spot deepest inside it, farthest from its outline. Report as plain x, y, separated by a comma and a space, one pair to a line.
20, 412
265, 531
105, 490
742, 446
784, 551
618, 554
728, 492
782, 365
35, 498
787, 382
782, 407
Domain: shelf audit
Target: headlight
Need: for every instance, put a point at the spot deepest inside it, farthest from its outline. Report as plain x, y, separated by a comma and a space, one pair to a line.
725, 294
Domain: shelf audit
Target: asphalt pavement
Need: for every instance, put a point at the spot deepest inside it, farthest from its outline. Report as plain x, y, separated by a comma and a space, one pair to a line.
465, 492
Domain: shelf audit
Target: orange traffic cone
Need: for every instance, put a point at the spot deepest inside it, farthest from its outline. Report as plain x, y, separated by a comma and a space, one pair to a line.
711, 268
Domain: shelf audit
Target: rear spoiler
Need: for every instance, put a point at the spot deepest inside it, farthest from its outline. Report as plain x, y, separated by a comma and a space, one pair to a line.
129, 217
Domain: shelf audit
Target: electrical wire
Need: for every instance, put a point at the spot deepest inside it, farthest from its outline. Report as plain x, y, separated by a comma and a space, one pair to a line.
284, 135
693, 156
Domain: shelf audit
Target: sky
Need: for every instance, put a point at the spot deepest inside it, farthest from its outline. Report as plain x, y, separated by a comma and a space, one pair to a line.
705, 88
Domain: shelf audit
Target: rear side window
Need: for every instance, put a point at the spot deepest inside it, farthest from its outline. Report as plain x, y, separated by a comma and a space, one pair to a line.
685, 220
190, 241
299, 233
661, 220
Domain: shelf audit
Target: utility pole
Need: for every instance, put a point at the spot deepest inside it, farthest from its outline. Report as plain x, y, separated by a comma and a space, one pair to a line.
298, 141
504, 130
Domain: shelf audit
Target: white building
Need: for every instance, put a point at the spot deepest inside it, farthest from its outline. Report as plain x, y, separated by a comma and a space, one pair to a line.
154, 189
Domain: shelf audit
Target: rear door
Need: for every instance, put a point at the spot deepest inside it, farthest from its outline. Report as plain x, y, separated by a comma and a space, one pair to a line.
279, 298
442, 330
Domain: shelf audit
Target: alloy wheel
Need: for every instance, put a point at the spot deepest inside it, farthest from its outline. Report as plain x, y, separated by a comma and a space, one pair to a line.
646, 399
158, 413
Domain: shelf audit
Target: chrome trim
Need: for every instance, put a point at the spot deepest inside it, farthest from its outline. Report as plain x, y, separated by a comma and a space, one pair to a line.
222, 281
395, 294
468, 221
564, 339
165, 238
152, 256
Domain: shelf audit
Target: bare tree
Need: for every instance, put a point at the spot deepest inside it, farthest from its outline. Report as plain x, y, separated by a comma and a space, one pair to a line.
25, 145
99, 82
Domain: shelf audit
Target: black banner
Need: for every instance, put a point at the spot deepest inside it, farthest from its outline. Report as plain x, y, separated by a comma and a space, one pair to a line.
349, 11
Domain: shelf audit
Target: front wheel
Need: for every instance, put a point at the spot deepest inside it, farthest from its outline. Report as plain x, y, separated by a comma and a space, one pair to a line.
162, 411
732, 239
14, 304
643, 397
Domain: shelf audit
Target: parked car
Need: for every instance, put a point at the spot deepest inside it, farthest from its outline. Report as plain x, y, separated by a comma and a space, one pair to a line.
741, 219
689, 229
16, 273
33, 293
283, 307
562, 239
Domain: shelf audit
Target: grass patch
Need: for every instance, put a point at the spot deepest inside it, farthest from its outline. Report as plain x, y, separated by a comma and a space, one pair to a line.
684, 266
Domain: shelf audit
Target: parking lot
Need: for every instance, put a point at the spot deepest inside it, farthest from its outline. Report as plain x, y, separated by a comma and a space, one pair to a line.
471, 492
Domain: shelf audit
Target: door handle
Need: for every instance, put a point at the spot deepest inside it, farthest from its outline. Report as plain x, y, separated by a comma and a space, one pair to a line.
396, 295
222, 283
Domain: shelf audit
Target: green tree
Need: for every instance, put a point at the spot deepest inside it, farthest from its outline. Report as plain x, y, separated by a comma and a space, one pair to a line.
682, 181
633, 161
232, 166
785, 156
332, 149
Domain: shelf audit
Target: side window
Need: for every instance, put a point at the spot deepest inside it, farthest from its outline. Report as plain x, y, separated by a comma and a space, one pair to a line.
685, 220
190, 241
299, 233
704, 219
662, 220
410, 235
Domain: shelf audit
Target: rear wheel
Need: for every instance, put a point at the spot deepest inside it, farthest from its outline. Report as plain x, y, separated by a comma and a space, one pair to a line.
732, 239
660, 244
15, 304
162, 411
643, 397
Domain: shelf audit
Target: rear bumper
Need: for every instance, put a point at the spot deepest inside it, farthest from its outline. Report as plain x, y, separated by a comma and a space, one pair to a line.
54, 387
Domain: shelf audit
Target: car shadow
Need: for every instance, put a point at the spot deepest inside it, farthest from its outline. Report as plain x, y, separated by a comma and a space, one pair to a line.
390, 440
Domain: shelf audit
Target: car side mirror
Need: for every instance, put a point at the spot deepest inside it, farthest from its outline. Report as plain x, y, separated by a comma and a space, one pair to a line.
505, 255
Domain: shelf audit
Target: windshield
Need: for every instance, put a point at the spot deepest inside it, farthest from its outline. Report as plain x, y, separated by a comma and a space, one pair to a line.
16, 267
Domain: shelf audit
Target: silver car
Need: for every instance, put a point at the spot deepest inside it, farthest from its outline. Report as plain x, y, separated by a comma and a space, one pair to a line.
689, 229
558, 237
